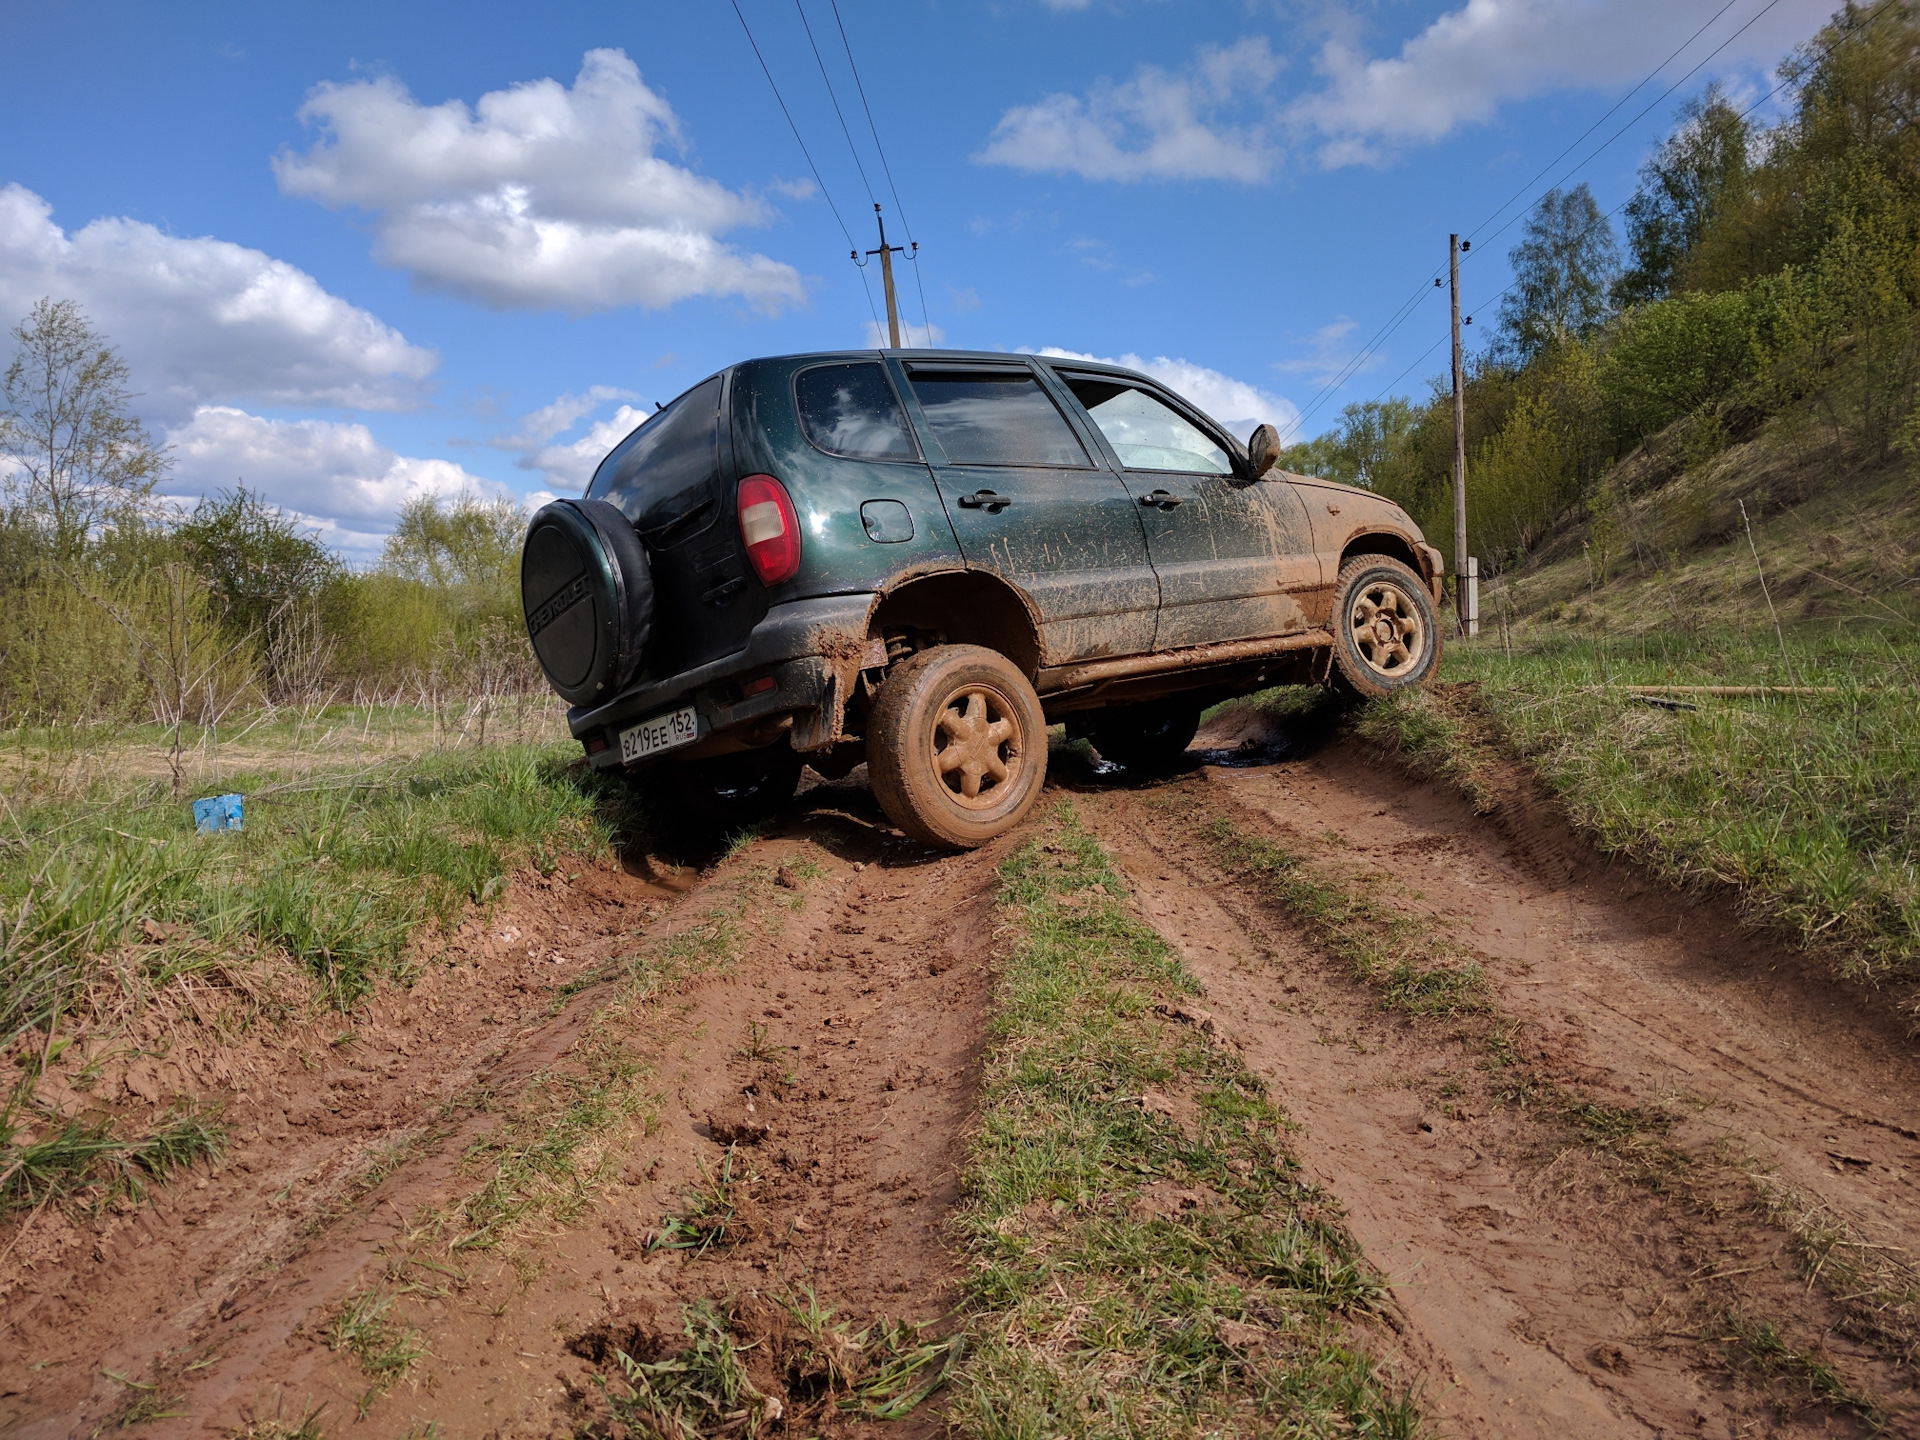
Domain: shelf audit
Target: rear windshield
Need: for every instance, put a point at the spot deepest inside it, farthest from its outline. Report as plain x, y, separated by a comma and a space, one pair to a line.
986, 418
665, 475
852, 410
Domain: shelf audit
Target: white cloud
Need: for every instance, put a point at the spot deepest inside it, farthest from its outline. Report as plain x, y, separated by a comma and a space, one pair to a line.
1234, 403
1155, 126
331, 474
201, 320
1470, 61
567, 466
1330, 349
912, 337
539, 197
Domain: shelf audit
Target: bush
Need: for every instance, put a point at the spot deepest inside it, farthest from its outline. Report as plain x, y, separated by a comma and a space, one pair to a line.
1676, 356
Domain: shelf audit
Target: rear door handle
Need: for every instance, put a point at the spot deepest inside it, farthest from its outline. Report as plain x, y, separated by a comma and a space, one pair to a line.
991, 501
1161, 499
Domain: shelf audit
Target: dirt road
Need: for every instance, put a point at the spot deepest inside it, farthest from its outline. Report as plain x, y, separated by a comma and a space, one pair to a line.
1658, 1178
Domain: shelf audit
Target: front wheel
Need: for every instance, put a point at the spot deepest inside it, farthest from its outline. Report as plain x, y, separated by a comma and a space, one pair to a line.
956, 746
1386, 636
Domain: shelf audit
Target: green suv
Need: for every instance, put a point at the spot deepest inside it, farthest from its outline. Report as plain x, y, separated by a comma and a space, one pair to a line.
920, 559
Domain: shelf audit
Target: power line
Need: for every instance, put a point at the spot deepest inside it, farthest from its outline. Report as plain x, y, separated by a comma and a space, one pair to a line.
1649, 109
886, 169
1603, 119
796, 133
1404, 313
834, 99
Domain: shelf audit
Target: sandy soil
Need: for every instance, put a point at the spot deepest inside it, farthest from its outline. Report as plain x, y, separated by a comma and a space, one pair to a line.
1544, 1282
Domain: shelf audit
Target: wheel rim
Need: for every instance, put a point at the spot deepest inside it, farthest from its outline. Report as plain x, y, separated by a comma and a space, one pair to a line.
976, 748
1387, 629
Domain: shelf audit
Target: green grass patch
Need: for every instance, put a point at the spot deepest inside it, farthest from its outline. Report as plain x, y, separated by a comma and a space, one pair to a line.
1807, 805
1144, 1256
1761, 1349
339, 871
385, 1349
45, 1156
1413, 969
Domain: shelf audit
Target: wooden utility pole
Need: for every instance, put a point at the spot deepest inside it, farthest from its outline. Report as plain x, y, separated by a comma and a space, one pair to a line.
1459, 445
886, 253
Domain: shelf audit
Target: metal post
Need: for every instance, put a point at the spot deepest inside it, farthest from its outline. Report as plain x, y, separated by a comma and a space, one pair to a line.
886, 275
1459, 445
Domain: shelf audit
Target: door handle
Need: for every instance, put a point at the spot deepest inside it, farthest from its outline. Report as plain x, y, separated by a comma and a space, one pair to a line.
991, 501
1160, 499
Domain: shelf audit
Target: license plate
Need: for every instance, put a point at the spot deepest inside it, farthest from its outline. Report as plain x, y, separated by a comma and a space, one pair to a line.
662, 732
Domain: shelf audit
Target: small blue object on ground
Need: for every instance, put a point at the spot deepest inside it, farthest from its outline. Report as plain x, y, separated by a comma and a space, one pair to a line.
218, 812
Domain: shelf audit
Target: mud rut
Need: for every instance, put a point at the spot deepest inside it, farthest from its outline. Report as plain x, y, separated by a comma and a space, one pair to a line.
1543, 1283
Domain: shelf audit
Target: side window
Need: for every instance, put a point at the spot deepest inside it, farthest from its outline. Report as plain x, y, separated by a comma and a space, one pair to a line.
851, 410
1145, 433
664, 476
988, 418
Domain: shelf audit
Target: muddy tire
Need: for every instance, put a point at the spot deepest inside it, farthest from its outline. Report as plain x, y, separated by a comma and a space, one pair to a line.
1386, 636
726, 794
957, 745
1148, 739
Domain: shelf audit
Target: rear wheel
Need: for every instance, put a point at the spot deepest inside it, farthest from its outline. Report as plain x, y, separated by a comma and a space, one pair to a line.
1146, 738
1386, 636
956, 746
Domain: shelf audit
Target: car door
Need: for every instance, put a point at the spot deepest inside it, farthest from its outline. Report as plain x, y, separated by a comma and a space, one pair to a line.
1235, 558
1028, 502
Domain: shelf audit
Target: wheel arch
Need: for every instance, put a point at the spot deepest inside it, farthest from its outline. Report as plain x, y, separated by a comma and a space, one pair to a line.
972, 607
1384, 542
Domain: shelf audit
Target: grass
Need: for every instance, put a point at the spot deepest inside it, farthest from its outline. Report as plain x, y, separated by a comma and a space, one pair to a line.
1397, 953
279, 1426
1877, 1286
1760, 1348
1144, 1256
387, 1351
44, 1156
1808, 806
339, 871
713, 1211
809, 1366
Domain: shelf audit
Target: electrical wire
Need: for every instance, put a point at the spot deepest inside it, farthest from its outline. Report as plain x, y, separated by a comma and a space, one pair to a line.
835, 100
886, 169
1644, 113
825, 194
1405, 311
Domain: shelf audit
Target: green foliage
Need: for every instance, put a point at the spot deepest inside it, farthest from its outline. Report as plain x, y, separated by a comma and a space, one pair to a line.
1563, 270
1102, 1308
1684, 188
77, 459
1809, 805
1677, 356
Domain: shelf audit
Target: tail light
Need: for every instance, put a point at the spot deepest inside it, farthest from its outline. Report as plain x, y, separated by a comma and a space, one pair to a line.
770, 528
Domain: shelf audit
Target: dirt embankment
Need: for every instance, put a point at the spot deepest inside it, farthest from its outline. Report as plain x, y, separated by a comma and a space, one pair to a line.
1611, 1195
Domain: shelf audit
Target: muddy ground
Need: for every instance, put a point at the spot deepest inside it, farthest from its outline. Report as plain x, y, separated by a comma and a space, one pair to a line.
1607, 1202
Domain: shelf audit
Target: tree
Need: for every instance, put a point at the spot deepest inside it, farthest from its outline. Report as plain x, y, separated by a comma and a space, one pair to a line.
468, 542
1683, 188
77, 459
1563, 269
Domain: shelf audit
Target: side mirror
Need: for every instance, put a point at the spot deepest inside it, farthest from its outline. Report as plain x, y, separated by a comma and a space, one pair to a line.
1263, 450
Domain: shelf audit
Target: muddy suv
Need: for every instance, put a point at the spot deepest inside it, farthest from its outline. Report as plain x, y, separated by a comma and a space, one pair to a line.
921, 559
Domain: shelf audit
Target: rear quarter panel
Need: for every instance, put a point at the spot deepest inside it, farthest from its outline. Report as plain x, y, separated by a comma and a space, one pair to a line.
837, 556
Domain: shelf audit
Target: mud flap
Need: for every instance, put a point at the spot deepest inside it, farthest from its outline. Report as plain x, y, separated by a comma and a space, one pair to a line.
818, 730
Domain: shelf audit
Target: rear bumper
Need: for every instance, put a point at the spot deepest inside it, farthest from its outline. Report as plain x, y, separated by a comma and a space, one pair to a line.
812, 650
1436, 571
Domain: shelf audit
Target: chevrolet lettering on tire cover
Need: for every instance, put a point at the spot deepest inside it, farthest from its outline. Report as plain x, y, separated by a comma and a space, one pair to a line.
921, 559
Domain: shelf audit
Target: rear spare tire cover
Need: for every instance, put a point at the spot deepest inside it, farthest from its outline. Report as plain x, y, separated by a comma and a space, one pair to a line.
588, 593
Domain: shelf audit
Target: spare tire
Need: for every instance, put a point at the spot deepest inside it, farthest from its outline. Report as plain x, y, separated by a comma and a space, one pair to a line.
588, 594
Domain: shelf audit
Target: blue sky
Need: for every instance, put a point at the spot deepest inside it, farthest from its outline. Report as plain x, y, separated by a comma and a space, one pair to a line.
361, 251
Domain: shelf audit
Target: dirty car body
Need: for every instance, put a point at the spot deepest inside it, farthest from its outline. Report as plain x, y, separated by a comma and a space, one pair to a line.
810, 522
